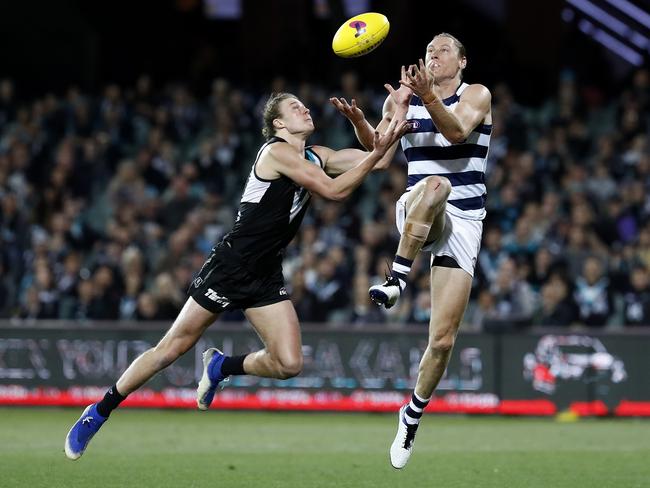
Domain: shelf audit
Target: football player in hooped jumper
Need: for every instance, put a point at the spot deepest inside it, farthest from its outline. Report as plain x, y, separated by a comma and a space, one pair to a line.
443, 208
244, 270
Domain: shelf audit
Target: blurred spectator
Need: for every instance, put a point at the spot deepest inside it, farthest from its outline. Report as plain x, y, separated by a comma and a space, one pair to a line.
106, 294
132, 269
421, 308
303, 299
169, 297
592, 294
88, 305
482, 312
46, 292
147, 307
364, 310
330, 292
544, 263
556, 307
490, 257
514, 299
178, 203
636, 308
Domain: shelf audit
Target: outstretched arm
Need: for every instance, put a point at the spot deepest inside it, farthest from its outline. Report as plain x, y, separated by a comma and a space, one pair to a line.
362, 128
395, 106
395, 109
455, 125
338, 162
284, 160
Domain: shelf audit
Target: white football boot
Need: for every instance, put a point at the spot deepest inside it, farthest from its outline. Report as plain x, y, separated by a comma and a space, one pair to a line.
387, 293
400, 449
212, 376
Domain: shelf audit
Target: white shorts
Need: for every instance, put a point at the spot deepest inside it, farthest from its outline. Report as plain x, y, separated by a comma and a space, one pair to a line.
460, 239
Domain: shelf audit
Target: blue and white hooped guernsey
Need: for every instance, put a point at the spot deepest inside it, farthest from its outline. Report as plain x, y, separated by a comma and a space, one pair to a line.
429, 153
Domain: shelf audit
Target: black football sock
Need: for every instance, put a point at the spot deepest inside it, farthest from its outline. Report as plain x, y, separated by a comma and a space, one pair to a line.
110, 402
233, 365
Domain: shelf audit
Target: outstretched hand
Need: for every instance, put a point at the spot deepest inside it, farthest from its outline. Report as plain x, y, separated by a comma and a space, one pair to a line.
396, 129
401, 96
352, 112
417, 78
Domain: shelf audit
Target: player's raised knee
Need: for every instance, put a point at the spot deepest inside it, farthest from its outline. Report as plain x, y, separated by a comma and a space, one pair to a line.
445, 186
437, 187
436, 190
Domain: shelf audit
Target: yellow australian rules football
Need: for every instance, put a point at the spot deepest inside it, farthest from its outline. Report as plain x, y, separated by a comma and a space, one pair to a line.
360, 35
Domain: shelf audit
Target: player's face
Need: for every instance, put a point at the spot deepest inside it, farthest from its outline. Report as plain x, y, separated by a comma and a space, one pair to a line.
442, 58
295, 116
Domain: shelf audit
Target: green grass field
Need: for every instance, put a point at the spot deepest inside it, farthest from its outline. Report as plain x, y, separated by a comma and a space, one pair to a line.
151, 448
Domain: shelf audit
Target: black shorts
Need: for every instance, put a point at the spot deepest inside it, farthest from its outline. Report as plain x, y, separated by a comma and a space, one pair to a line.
225, 283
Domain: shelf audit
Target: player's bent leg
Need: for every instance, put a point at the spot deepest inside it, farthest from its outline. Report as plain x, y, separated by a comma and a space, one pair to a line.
278, 327
425, 220
425, 207
188, 327
183, 334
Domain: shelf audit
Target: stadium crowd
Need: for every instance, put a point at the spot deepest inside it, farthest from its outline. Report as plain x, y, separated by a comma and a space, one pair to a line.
110, 203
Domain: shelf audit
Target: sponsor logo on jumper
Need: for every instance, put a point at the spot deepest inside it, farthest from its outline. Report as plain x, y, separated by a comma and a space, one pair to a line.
283, 292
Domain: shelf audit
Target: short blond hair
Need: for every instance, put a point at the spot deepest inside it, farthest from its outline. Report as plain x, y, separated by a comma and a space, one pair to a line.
459, 45
272, 112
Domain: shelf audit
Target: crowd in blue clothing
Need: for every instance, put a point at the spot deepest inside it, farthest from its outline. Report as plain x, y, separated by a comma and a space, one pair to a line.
110, 202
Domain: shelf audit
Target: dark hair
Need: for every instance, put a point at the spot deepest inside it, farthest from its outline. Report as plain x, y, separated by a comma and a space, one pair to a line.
272, 112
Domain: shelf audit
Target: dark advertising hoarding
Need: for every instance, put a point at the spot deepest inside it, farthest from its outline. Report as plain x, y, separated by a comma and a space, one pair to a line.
372, 370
